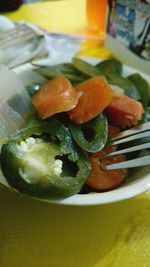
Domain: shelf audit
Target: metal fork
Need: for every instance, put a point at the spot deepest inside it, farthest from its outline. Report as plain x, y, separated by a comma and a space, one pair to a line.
24, 32
135, 133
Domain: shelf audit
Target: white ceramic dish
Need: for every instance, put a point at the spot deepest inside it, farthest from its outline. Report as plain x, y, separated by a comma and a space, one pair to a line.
138, 183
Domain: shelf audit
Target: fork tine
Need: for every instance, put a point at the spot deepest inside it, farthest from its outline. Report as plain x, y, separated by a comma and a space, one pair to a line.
138, 162
128, 138
18, 27
128, 150
19, 35
134, 130
18, 40
137, 132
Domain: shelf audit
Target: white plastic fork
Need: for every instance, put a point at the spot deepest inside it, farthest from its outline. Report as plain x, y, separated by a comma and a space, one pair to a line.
24, 32
135, 133
19, 34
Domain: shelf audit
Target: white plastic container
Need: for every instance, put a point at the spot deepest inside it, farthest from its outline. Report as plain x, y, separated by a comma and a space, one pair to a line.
128, 32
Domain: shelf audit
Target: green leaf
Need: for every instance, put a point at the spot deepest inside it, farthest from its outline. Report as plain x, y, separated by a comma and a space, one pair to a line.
146, 115
85, 68
110, 66
128, 86
143, 87
67, 70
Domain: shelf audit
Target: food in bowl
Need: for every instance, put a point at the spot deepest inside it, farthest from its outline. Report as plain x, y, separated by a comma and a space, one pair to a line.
61, 149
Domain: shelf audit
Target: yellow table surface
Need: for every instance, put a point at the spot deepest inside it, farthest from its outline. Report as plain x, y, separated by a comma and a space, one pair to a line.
38, 234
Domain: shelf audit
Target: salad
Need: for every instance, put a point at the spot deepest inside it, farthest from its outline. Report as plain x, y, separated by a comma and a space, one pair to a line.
61, 149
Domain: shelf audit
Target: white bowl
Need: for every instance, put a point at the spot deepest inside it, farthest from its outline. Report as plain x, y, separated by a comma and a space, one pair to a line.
134, 185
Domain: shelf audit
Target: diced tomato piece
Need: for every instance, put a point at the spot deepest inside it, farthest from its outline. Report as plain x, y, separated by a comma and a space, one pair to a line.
101, 179
56, 95
94, 96
124, 111
112, 130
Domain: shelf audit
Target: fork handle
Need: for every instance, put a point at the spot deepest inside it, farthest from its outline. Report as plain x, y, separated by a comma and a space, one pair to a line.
73, 37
